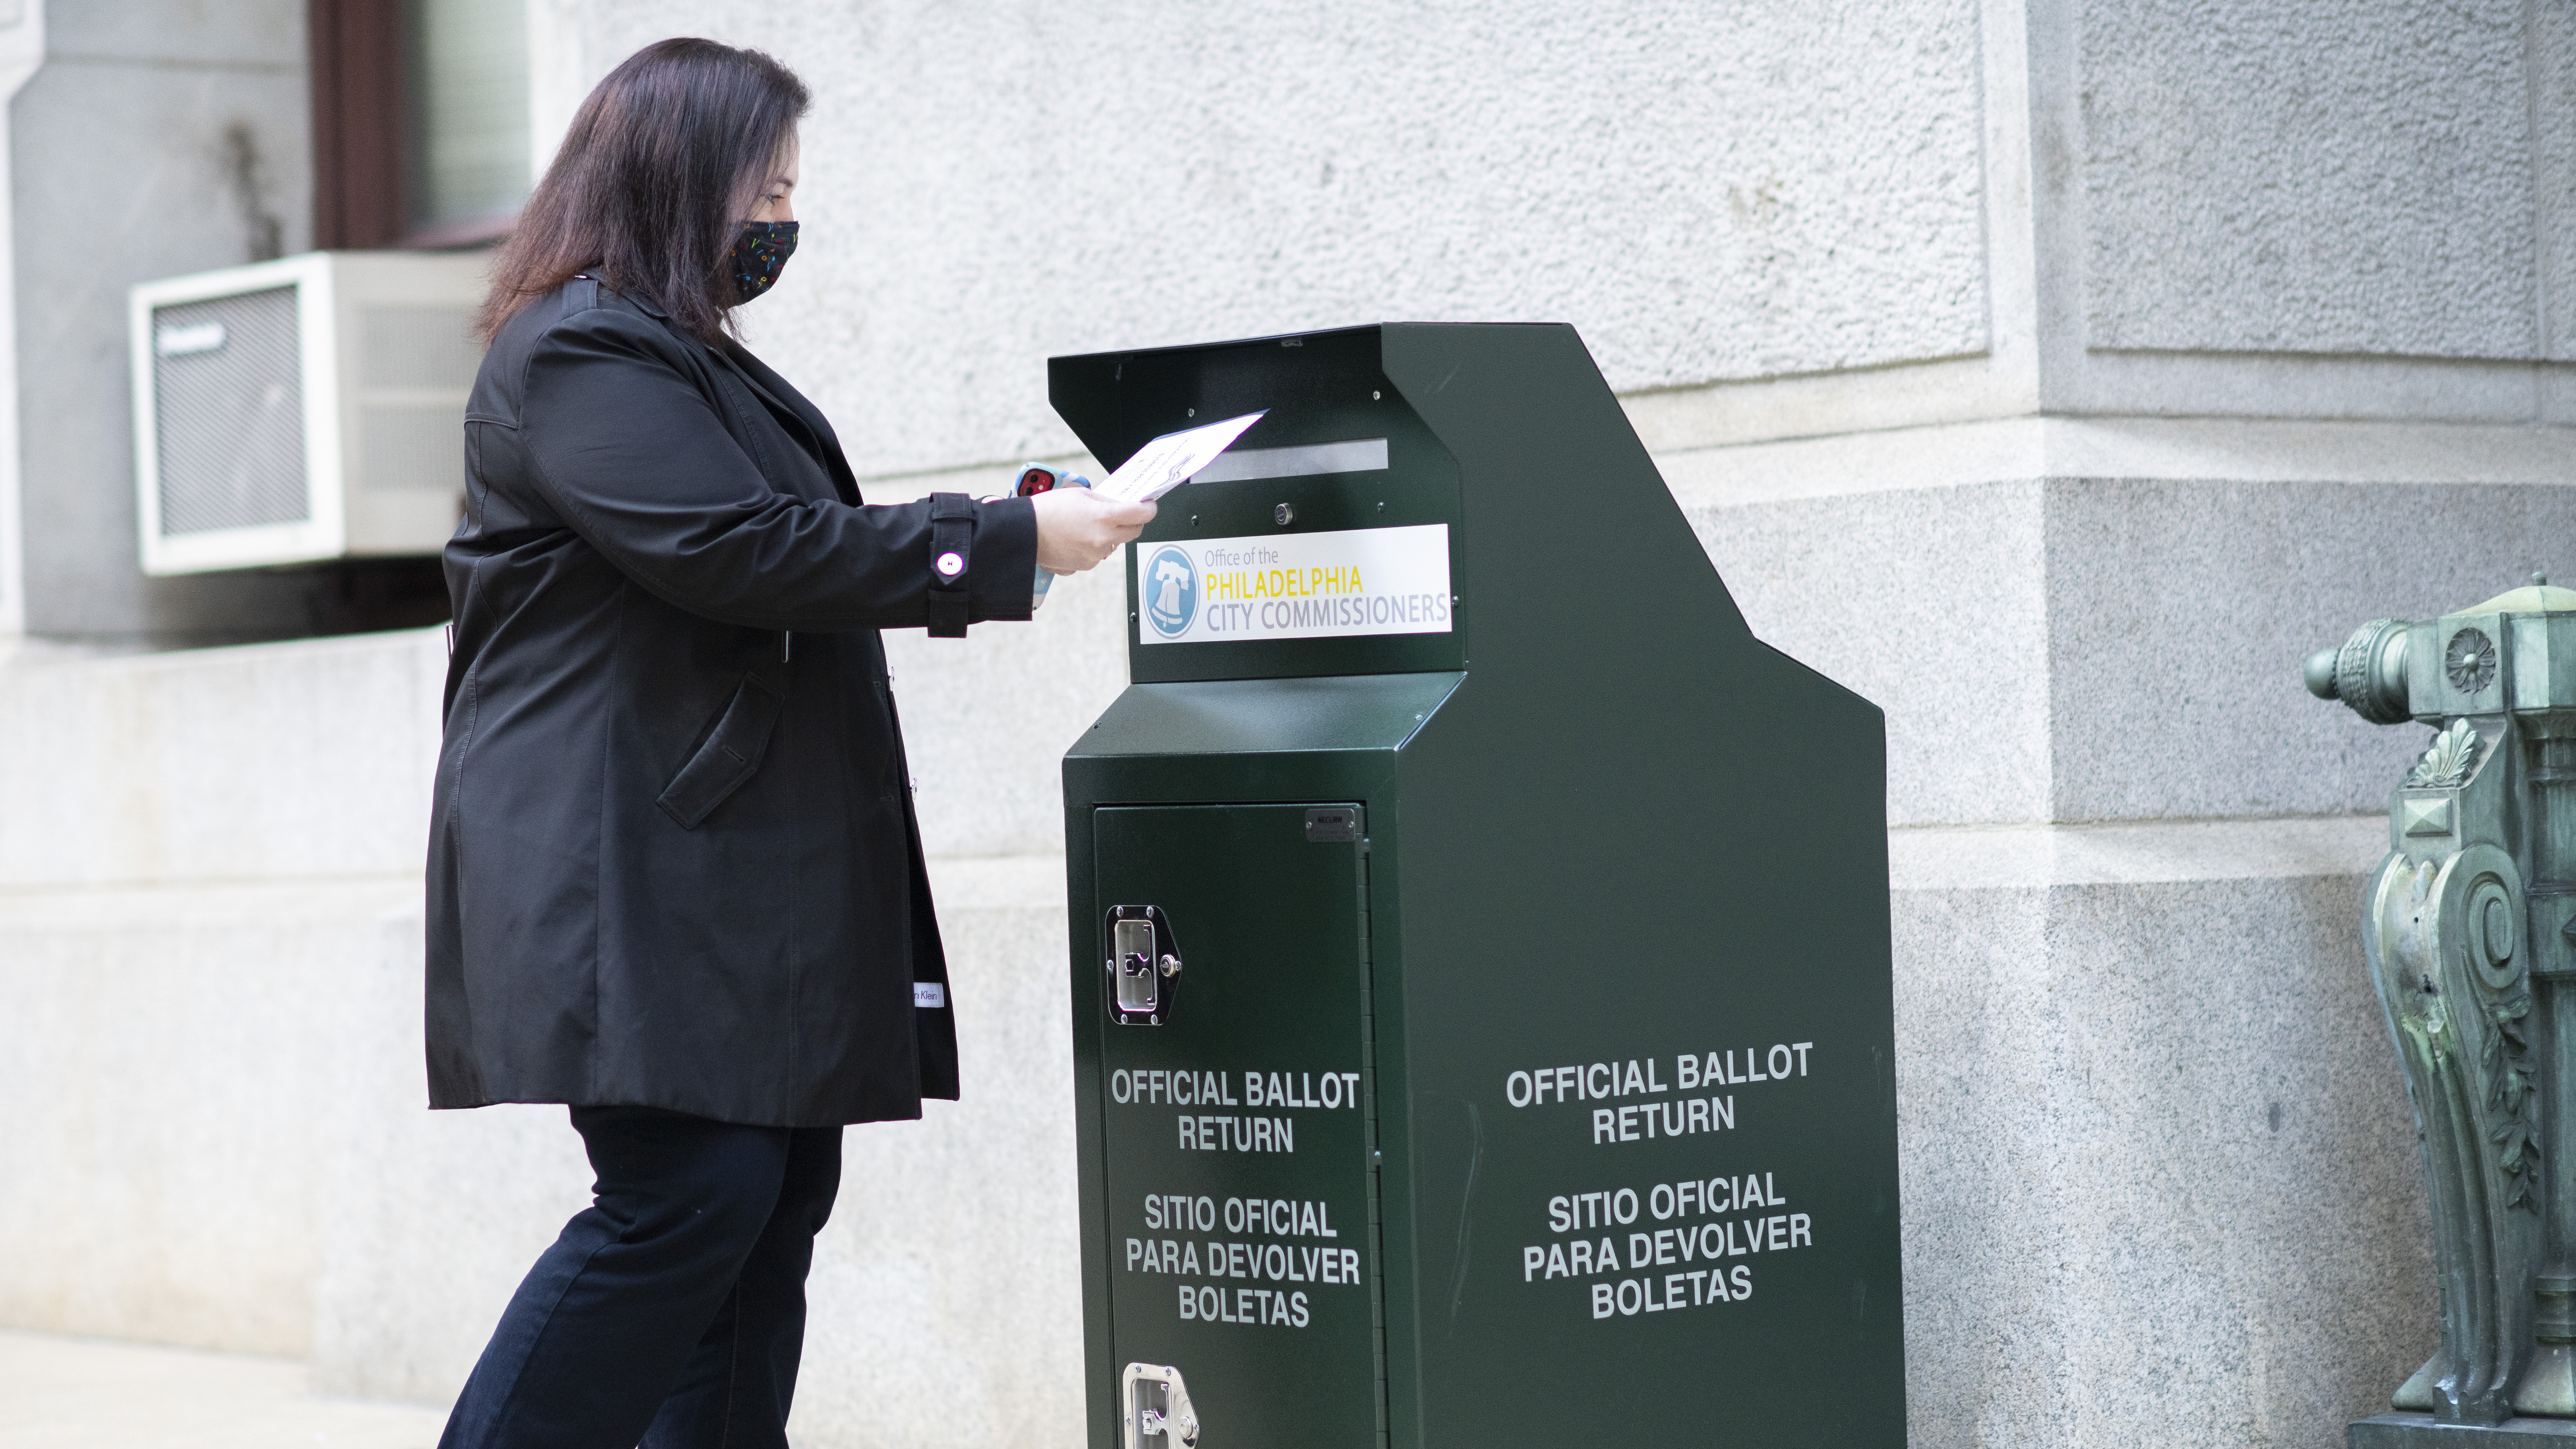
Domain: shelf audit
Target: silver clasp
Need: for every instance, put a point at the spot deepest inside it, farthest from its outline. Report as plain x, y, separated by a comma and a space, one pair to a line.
1157, 1405
1144, 964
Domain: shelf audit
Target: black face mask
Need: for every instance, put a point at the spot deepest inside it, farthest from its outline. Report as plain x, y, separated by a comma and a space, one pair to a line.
759, 254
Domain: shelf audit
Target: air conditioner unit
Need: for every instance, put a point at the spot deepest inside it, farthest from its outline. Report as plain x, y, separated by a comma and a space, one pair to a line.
303, 409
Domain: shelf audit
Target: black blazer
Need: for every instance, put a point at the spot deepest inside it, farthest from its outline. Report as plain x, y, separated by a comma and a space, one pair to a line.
673, 860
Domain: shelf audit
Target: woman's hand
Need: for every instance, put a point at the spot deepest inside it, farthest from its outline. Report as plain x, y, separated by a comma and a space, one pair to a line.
1077, 528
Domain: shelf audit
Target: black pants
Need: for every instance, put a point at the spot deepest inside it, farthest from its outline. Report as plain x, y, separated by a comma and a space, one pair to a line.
672, 1310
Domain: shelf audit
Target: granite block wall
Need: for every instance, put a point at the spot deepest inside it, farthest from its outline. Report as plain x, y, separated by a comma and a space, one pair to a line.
2056, 374
1708, 192
2159, 1175
2083, 649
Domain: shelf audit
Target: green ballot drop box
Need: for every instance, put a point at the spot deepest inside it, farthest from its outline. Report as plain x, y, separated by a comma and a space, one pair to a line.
1481, 1007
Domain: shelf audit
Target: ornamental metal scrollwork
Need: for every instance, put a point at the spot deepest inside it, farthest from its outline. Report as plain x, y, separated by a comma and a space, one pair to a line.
2453, 754
2509, 1088
2469, 926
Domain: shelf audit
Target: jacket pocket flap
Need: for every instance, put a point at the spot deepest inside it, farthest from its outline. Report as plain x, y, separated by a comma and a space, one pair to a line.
729, 756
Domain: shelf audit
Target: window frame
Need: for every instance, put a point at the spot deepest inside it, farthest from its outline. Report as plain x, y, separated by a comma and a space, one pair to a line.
362, 134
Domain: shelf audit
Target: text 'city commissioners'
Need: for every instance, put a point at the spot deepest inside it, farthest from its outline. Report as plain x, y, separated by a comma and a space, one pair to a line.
1295, 586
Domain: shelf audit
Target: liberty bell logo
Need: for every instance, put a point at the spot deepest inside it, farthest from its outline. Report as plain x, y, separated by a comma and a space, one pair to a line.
1171, 592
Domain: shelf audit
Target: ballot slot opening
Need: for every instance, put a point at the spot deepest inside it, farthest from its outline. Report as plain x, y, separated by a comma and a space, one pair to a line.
1238, 465
1320, 543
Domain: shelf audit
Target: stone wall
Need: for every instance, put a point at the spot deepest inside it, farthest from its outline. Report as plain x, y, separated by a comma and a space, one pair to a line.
1707, 192
159, 137
2056, 374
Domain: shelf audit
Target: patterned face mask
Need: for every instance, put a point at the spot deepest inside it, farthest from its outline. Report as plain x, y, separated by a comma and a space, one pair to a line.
758, 255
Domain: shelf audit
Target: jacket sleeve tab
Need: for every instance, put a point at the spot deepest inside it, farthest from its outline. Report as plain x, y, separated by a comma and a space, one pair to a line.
952, 549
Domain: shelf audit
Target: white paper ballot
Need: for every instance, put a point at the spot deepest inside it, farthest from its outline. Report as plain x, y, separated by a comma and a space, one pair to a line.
1167, 462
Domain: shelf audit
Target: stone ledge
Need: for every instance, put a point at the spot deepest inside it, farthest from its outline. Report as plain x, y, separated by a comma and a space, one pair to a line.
967, 883
2169, 449
2120, 648
1920, 858
207, 903
2023, 856
1923, 858
310, 759
2419, 1431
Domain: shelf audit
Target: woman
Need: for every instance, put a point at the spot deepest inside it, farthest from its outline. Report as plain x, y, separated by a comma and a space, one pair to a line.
674, 878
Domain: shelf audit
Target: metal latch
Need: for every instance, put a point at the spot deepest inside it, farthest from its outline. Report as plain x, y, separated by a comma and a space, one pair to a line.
1144, 965
1158, 1409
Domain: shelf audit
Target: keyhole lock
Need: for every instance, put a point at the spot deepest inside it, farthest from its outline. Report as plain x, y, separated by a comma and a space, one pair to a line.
1144, 965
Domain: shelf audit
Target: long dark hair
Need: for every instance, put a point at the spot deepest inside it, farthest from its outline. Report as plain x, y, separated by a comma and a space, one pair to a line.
661, 166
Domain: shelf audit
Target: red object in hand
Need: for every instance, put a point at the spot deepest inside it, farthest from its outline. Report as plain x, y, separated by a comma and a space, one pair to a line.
1037, 478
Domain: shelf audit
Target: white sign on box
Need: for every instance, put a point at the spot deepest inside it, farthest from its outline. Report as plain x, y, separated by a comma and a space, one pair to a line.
1294, 586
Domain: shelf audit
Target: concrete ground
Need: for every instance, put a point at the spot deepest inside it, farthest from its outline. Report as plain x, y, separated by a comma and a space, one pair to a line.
70, 1393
